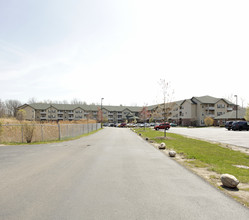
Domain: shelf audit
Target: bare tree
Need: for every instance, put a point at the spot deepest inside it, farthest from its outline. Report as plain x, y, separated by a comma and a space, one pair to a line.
47, 101
158, 113
242, 102
167, 100
77, 102
64, 102
32, 100
11, 107
144, 115
230, 98
247, 113
2, 109
100, 115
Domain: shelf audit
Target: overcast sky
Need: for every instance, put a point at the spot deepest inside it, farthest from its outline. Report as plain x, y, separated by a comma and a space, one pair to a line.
120, 49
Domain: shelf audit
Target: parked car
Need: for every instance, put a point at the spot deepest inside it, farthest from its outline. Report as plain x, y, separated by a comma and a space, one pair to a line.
173, 125
162, 126
122, 125
147, 125
240, 125
228, 125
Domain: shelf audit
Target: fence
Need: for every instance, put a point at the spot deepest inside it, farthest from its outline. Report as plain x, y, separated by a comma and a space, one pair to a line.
44, 132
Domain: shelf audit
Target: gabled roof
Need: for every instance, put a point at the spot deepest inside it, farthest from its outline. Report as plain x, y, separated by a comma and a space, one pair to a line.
232, 115
206, 99
71, 107
209, 100
40, 106
185, 100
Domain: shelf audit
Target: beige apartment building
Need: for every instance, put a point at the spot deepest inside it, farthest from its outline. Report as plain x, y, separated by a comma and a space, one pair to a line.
58, 112
193, 111
185, 112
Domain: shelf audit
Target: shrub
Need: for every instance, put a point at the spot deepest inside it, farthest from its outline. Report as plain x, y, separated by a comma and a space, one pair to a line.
20, 115
208, 121
1, 129
28, 130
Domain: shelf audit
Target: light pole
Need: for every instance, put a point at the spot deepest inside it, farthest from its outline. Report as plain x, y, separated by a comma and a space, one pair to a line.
101, 116
236, 106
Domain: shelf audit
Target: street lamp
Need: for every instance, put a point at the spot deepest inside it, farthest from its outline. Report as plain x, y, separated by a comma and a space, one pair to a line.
236, 106
101, 116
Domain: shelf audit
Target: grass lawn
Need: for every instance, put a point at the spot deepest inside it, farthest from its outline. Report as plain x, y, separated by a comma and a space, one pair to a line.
204, 154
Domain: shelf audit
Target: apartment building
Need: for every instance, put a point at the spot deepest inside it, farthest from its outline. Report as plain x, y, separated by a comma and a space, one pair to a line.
57, 112
193, 111
184, 112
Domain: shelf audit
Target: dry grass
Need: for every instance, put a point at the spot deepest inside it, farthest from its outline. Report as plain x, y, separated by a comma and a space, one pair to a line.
12, 130
6, 121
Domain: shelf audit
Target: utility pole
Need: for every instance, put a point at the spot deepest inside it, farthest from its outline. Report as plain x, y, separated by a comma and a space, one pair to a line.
101, 116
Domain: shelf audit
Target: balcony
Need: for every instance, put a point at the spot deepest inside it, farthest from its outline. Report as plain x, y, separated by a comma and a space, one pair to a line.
210, 108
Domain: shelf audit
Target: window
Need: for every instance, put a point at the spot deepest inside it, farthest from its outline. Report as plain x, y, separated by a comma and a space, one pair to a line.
220, 105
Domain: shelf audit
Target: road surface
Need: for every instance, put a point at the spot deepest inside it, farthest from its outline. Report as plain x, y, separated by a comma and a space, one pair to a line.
216, 134
112, 174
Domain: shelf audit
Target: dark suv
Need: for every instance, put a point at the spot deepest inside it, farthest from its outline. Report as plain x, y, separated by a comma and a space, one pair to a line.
228, 125
240, 125
165, 126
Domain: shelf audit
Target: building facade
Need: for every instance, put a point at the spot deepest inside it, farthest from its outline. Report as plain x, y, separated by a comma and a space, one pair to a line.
192, 112
188, 112
65, 112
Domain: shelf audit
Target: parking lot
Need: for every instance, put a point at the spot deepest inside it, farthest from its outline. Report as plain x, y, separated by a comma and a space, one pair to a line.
216, 134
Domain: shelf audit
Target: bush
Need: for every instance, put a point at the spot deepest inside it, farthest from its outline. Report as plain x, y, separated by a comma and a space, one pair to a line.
20, 115
208, 121
28, 131
1, 129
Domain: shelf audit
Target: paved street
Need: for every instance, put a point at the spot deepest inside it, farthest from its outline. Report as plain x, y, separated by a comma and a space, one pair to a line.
222, 135
113, 174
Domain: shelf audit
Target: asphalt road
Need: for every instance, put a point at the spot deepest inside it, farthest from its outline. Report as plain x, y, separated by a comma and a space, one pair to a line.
221, 135
113, 174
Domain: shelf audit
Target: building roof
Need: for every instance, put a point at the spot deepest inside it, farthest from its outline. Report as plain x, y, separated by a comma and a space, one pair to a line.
210, 100
187, 100
70, 107
232, 115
